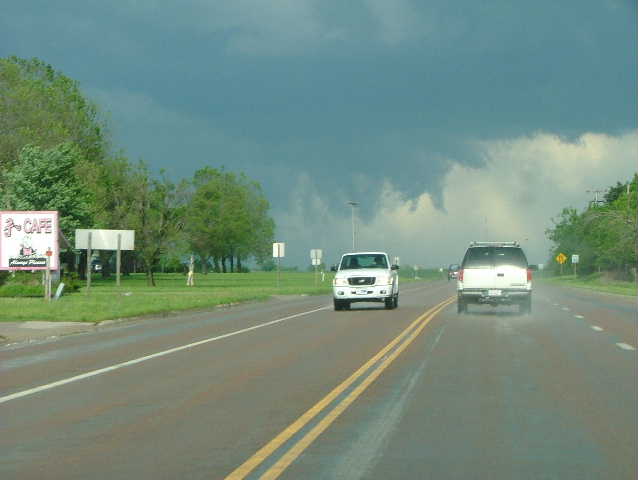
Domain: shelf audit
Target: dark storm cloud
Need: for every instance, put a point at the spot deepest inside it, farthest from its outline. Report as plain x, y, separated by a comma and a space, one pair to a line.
351, 95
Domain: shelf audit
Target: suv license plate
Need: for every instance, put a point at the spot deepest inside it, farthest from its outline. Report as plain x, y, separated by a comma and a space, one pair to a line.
493, 293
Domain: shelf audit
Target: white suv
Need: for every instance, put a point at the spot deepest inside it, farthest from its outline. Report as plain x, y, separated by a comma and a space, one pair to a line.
365, 277
495, 273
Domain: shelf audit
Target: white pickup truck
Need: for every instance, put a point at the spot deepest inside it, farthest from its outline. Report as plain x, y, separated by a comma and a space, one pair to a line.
365, 277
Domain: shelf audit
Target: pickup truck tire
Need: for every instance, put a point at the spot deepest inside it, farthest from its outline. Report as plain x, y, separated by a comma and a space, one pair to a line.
389, 303
396, 301
338, 305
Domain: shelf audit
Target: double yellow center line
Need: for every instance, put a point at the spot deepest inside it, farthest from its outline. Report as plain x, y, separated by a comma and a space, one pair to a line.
383, 358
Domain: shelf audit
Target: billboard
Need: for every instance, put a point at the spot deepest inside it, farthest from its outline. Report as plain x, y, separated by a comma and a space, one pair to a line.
104, 239
27, 239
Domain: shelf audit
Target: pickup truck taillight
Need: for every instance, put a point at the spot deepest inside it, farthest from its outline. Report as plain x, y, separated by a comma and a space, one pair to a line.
529, 274
460, 275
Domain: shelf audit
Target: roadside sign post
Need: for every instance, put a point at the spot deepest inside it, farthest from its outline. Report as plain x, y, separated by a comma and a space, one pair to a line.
315, 257
278, 252
118, 259
89, 254
561, 258
100, 239
47, 277
575, 260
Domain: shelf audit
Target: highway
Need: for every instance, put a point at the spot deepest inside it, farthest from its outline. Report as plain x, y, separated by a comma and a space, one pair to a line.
291, 389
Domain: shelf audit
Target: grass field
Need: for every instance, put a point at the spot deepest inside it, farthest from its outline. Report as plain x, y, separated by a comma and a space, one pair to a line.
134, 298
594, 282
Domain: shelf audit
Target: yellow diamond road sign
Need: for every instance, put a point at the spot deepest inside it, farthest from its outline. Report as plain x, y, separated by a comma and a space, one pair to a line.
561, 258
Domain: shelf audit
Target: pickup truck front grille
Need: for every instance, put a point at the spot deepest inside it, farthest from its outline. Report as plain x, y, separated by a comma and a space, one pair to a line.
356, 281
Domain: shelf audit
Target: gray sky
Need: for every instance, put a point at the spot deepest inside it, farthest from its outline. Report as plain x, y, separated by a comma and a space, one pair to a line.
447, 121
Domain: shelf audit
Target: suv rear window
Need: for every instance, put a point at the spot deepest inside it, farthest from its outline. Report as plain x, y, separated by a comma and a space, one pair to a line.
489, 257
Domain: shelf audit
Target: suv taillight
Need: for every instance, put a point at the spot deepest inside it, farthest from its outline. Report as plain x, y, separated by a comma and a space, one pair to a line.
529, 274
460, 275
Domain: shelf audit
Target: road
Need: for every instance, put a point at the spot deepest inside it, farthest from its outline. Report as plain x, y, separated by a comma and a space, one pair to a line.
291, 389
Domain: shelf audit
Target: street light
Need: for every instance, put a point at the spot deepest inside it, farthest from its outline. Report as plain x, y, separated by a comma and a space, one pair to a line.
352, 205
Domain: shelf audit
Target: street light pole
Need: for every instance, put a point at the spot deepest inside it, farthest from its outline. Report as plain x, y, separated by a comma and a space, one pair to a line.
352, 205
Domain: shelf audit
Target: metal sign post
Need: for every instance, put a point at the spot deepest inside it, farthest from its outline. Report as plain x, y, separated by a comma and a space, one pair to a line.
561, 258
315, 257
575, 260
118, 259
278, 252
101, 239
89, 254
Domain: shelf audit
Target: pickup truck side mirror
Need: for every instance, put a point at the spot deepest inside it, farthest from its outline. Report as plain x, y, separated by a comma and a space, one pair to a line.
333, 268
394, 267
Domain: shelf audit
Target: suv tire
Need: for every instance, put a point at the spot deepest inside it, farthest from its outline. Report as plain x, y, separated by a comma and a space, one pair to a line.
461, 306
526, 306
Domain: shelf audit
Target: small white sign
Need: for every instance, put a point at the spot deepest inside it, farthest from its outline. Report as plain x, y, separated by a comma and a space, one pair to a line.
575, 258
316, 262
316, 254
104, 239
278, 250
396, 260
27, 239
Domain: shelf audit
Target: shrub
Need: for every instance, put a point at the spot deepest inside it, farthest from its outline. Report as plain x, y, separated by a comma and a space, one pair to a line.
19, 290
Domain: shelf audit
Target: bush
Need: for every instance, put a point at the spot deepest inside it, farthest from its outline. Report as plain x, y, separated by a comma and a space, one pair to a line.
19, 290
71, 282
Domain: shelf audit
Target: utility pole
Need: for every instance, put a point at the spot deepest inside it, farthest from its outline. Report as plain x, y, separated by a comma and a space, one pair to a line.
352, 205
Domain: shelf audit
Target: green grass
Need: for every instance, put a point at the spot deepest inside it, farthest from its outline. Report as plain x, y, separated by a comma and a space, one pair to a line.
595, 282
134, 298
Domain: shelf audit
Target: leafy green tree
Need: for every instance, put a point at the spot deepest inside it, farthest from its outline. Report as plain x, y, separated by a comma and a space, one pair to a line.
603, 235
159, 211
48, 179
43, 107
227, 219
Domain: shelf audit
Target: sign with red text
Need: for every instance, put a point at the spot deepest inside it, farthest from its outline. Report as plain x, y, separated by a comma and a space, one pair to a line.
25, 239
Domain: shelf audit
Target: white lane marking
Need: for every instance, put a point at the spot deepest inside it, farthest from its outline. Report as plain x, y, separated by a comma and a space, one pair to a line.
556, 304
579, 316
117, 366
597, 328
566, 309
625, 346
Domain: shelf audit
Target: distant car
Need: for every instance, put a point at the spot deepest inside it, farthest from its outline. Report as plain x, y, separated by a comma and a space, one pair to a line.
453, 271
495, 273
96, 266
365, 277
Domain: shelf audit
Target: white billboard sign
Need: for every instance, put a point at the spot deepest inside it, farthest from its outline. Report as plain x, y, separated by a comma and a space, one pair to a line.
27, 239
278, 250
104, 239
316, 254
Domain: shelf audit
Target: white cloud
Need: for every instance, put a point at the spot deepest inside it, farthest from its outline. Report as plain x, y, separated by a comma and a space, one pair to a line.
522, 185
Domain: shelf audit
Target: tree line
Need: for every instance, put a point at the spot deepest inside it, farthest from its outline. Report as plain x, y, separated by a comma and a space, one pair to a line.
603, 234
56, 154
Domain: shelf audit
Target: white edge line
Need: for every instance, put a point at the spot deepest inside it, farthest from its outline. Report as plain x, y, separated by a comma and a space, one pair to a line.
625, 346
117, 366
597, 328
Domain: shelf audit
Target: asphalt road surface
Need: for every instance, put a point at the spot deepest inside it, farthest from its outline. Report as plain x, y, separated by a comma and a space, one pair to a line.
291, 389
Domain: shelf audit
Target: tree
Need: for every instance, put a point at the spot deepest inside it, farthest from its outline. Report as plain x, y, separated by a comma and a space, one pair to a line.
604, 236
48, 179
43, 107
227, 219
159, 217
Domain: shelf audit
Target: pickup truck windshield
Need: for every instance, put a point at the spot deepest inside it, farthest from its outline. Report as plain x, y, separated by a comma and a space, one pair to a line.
364, 260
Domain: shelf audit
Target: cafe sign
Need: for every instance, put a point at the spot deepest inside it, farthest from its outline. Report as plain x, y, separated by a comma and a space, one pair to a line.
28, 239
